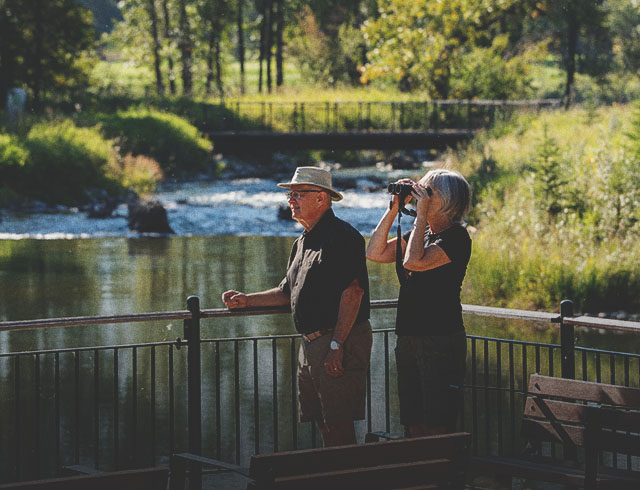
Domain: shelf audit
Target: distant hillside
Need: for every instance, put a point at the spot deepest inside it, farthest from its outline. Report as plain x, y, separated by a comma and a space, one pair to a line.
104, 13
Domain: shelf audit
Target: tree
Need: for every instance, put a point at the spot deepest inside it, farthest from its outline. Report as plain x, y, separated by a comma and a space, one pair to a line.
241, 49
186, 47
153, 16
42, 46
168, 37
416, 43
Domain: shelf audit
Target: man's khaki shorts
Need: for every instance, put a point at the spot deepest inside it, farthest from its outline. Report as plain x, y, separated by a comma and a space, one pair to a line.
324, 398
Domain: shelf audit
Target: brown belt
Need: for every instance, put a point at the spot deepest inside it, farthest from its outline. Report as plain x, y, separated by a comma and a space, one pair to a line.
317, 334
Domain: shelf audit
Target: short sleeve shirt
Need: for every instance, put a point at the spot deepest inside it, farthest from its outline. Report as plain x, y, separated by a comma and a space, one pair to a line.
323, 263
429, 302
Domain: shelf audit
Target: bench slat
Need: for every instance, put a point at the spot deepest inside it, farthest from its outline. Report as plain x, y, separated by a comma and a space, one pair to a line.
142, 479
585, 390
376, 477
290, 463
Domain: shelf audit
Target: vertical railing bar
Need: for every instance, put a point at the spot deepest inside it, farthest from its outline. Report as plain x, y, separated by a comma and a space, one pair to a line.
598, 368
612, 368
294, 406
585, 374
116, 409
369, 412
387, 409
18, 439
56, 381
153, 405
626, 370
538, 358
550, 349
499, 394
134, 403
96, 407
76, 367
487, 406
236, 395
172, 422
191, 327
474, 396
37, 412
525, 370
256, 400
274, 353
218, 401
512, 396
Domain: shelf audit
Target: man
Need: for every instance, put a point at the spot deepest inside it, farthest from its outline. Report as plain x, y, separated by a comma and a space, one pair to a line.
327, 287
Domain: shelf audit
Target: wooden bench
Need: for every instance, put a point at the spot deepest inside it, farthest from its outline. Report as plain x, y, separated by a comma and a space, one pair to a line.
576, 414
140, 479
424, 462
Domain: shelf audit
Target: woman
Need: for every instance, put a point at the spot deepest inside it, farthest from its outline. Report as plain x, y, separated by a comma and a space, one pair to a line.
431, 344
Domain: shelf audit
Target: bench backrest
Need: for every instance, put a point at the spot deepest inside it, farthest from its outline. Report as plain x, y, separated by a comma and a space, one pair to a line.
577, 412
141, 479
406, 461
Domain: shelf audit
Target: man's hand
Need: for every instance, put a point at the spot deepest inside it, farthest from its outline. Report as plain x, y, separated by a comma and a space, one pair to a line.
234, 299
333, 363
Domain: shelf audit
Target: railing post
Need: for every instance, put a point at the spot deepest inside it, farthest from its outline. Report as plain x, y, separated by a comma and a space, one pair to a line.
194, 387
567, 341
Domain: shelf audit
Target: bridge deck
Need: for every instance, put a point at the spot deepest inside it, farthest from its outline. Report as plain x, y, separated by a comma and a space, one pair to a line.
243, 141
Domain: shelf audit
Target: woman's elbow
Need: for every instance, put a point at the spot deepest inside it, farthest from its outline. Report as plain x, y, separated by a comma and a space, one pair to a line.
410, 264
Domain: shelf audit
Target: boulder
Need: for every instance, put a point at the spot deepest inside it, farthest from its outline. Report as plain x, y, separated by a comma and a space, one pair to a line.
148, 217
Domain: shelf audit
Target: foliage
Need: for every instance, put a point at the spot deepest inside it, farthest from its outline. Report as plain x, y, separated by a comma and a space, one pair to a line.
43, 45
64, 163
169, 139
13, 157
416, 44
139, 173
583, 242
624, 22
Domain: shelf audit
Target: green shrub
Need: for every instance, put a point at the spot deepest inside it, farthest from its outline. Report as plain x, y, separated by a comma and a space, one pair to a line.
169, 139
13, 157
64, 162
139, 173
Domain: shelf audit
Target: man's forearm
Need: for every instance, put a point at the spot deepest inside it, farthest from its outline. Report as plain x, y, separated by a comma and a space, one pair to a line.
348, 311
271, 297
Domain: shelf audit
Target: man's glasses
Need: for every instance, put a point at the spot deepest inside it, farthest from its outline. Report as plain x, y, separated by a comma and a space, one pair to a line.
297, 194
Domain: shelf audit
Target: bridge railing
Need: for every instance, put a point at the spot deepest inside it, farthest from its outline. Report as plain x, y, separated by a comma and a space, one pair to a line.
332, 117
133, 405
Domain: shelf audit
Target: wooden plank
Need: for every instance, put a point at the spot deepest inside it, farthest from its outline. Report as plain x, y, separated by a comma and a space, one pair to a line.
585, 390
544, 431
380, 477
299, 462
529, 469
604, 323
541, 408
141, 479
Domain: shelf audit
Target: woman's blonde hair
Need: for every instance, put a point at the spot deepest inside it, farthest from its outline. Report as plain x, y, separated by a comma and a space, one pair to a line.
454, 191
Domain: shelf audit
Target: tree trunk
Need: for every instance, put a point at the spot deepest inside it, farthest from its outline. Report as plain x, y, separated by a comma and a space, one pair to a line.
169, 37
269, 41
263, 34
185, 50
279, 42
210, 48
218, 56
240, 22
151, 9
572, 41
38, 55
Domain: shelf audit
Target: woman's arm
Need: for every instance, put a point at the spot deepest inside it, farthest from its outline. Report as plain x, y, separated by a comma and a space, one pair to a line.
380, 248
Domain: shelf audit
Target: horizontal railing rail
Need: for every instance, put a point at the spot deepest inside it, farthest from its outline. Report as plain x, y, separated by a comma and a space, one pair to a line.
136, 403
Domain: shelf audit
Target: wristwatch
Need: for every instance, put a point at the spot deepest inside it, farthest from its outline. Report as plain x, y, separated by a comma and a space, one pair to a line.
335, 345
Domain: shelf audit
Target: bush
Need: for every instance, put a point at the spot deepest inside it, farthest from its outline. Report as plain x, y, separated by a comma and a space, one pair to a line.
139, 173
13, 157
169, 139
64, 162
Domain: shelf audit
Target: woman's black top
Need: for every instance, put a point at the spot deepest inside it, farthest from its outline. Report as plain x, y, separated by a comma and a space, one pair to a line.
429, 301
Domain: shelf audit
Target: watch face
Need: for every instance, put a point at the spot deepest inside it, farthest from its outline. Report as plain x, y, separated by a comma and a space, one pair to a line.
334, 345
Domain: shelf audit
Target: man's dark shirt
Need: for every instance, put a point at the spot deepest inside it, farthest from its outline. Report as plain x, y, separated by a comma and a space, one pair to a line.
323, 263
429, 302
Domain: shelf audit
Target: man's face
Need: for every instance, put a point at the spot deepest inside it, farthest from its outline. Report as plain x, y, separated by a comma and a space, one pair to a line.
305, 202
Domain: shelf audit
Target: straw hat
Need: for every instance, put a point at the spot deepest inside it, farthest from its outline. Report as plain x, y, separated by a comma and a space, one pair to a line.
313, 176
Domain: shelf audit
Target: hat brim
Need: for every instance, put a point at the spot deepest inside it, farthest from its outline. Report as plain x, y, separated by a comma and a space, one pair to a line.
335, 195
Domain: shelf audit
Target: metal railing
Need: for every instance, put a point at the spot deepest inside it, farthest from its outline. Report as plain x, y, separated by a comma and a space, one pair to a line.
341, 117
122, 406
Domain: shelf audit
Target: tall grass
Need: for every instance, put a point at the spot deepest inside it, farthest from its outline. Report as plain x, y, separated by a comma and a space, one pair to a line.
557, 211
